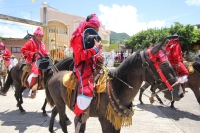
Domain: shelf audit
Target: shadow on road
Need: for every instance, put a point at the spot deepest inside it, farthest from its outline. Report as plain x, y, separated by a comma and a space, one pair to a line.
169, 112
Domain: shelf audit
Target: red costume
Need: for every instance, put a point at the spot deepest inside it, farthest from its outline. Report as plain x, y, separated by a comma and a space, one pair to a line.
84, 64
28, 50
174, 54
5, 53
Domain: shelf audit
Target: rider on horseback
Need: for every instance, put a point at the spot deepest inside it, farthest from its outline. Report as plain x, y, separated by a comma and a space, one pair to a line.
174, 54
5, 53
85, 60
34, 48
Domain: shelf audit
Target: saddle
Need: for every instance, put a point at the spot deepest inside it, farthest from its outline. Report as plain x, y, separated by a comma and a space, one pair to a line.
70, 81
26, 71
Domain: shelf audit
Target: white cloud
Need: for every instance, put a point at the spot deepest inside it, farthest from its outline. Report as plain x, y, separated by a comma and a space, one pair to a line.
156, 24
193, 2
15, 30
125, 19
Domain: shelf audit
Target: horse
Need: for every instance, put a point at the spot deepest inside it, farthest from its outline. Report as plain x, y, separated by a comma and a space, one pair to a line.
3, 71
192, 83
121, 90
14, 77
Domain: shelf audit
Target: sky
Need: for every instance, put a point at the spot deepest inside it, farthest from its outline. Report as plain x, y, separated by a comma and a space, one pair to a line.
127, 16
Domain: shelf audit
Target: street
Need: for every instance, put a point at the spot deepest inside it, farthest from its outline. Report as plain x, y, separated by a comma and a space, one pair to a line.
185, 119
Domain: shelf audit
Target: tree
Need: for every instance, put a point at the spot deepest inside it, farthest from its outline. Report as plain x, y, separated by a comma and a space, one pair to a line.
146, 38
191, 35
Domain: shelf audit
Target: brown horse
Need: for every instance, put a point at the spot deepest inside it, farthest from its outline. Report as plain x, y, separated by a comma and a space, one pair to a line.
192, 83
121, 90
14, 77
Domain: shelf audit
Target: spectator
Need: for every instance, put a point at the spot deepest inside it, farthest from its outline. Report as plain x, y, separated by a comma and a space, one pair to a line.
13, 62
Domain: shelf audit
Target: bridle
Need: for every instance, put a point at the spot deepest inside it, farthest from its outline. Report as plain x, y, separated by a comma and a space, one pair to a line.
159, 80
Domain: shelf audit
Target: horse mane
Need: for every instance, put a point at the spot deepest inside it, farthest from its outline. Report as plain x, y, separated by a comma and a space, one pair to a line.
196, 66
62, 64
128, 65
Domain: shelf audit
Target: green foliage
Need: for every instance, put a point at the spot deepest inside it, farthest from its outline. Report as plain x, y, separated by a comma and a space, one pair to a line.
116, 38
111, 47
191, 35
146, 38
104, 41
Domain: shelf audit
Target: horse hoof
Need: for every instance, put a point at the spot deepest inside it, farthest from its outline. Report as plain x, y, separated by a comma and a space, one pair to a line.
45, 114
68, 122
23, 112
172, 107
141, 103
3, 94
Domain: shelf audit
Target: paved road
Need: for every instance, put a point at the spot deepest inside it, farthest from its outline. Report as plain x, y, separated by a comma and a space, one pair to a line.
186, 119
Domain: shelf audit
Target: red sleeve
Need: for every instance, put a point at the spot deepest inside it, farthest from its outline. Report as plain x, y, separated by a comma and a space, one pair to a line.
79, 53
26, 49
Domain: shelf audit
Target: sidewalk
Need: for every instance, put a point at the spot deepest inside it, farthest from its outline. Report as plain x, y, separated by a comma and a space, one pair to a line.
157, 119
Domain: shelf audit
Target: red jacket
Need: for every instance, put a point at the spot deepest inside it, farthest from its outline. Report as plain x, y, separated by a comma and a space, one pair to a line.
30, 47
6, 55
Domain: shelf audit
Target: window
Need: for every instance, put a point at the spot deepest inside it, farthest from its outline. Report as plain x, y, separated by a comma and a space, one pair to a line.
15, 49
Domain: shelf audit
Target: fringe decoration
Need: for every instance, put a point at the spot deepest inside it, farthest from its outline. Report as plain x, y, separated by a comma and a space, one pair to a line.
69, 94
117, 120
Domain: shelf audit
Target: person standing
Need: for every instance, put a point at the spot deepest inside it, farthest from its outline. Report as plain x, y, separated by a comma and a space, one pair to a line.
13, 62
33, 49
66, 51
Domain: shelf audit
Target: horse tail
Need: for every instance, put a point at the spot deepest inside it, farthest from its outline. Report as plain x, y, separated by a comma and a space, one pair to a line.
48, 96
8, 82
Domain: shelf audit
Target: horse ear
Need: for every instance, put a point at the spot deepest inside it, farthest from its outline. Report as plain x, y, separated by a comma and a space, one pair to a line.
158, 46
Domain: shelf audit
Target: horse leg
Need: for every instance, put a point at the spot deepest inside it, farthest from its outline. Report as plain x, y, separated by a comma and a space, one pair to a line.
44, 108
61, 110
142, 89
172, 105
107, 126
18, 96
196, 91
161, 102
53, 115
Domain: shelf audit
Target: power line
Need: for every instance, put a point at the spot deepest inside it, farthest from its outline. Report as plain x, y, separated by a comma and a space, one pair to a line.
18, 6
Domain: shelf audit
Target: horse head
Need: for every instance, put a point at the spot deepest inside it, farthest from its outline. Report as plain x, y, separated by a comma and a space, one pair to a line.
161, 74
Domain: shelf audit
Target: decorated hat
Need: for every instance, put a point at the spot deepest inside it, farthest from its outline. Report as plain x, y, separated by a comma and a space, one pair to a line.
38, 31
88, 38
175, 36
44, 63
2, 44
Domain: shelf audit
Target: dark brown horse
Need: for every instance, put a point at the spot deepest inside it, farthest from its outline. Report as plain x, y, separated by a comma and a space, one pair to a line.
14, 77
193, 83
127, 75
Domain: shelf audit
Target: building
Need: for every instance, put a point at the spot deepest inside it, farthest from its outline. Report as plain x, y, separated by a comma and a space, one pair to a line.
57, 32
61, 25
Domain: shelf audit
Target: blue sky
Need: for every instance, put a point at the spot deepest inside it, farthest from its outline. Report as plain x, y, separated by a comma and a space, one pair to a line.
129, 16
